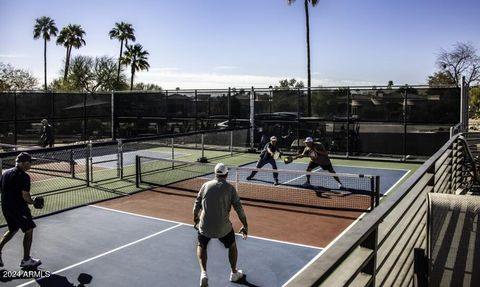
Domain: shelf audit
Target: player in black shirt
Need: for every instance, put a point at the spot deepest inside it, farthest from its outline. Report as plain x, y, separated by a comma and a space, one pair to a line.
267, 156
46, 138
15, 196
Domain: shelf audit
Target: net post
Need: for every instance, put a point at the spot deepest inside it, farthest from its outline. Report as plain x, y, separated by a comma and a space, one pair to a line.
72, 163
203, 158
137, 171
120, 159
377, 190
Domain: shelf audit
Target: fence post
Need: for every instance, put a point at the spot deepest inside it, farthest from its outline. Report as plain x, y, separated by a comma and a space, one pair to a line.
464, 105
173, 152
120, 159
231, 143
72, 163
252, 117
87, 162
114, 135
137, 171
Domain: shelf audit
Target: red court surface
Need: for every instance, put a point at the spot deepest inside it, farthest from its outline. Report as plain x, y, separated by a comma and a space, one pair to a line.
308, 226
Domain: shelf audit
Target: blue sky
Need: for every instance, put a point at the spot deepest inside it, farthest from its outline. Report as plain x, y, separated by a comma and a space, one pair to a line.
243, 43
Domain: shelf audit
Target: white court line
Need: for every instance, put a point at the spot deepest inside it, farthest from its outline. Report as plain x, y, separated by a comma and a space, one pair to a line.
298, 177
177, 222
103, 254
397, 183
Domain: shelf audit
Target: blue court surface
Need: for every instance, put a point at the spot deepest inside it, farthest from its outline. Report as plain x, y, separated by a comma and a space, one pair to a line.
94, 246
110, 160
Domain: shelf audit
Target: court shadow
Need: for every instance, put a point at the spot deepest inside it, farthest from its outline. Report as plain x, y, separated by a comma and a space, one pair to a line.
61, 281
3, 277
55, 281
245, 282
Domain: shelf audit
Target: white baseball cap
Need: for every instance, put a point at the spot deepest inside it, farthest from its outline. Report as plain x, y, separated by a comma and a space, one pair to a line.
308, 140
221, 169
273, 138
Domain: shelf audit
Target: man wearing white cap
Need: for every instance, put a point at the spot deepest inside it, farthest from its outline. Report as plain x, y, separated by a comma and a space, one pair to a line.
318, 158
211, 215
266, 156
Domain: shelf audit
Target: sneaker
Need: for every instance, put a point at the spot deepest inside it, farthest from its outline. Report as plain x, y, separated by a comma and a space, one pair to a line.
30, 262
306, 184
249, 177
275, 182
203, 279
340, 186
234, 277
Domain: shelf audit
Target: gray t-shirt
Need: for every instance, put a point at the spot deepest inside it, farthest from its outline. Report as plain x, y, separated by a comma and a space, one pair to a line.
215, 200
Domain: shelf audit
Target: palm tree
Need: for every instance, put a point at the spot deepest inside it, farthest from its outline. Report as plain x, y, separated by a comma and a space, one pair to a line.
70, 37
307, 23
45, 28
137, 58
122, 32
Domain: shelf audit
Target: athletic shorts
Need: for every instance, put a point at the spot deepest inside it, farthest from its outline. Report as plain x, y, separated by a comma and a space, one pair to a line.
227, 240
313, 165
19, 220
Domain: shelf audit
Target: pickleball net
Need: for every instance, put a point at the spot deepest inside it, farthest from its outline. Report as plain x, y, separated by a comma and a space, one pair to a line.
358, 191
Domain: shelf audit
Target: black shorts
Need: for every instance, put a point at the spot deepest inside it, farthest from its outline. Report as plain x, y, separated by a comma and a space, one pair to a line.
313, 165
227, 240
19, 220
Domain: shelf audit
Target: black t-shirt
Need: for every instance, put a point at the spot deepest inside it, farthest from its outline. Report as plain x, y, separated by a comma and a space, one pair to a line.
12, 183
265, 154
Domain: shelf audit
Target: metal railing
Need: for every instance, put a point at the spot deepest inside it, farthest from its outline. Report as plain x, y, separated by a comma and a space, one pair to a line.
379, 249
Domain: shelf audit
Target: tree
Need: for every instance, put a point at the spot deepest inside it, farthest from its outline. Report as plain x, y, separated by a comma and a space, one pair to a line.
44, 28
441, 78
461, 61
91, 74
147, 87
289, 84
137, 58
122, 32
70, 37
475, 98
12, 79
307, 25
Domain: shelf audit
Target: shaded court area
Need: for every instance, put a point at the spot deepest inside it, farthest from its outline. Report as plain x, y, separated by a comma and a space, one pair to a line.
94, 246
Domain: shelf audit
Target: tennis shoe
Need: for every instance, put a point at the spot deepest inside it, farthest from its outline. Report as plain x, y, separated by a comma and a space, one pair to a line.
234, 277
203, 279
340, 186
30, 262
275, 182
249, 177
